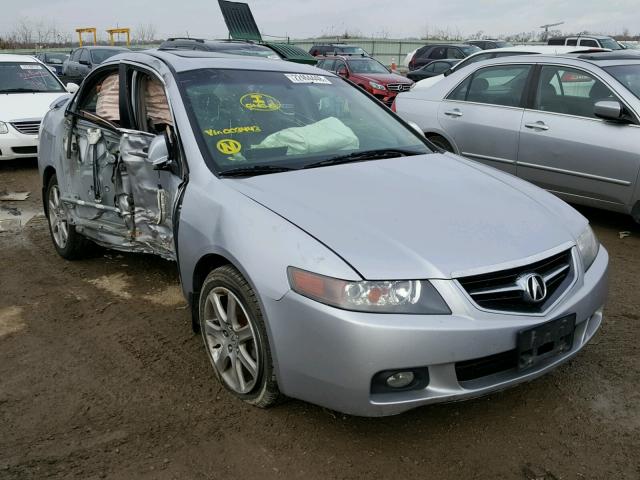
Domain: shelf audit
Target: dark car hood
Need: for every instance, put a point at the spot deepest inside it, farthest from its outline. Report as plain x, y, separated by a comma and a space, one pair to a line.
427, 216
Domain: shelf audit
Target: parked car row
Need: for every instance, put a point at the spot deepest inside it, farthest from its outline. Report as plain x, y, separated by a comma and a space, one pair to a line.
499, 53
568, 123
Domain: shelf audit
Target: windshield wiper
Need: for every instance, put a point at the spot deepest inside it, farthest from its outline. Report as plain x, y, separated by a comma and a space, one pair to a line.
20, 90
254, 170
364, 156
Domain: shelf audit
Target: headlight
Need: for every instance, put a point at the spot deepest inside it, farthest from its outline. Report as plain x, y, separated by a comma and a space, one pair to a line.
395, 296
377, 86
3, 128
588, 247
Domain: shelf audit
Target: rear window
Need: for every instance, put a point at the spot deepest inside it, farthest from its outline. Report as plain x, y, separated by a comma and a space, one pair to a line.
351, 50
25, 77
99, 56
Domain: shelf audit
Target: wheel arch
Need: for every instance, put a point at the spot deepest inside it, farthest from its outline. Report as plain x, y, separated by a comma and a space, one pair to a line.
438, 133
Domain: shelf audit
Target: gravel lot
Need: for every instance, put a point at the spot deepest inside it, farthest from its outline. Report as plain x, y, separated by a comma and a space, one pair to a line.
101, 377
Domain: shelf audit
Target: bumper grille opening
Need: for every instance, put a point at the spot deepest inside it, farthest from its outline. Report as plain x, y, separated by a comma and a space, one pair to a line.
25, 150
482, 367
500, 290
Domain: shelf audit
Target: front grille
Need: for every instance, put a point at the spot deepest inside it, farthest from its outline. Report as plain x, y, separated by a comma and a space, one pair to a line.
482, 367
501, 290
25, 150
399, 87
27, 127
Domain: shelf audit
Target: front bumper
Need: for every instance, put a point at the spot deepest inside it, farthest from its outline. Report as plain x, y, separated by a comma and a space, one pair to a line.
17, 145
329, 356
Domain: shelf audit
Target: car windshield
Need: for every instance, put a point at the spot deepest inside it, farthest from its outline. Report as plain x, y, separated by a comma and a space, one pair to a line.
27, 77
366, 65
628, 75
259, 119
99, 56
351, 50
610, 43
470, 49
502, 44
55, 58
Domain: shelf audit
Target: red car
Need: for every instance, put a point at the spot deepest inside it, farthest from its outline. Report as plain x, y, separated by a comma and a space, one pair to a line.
368, 74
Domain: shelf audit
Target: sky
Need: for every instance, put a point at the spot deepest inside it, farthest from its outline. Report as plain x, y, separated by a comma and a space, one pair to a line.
302, 18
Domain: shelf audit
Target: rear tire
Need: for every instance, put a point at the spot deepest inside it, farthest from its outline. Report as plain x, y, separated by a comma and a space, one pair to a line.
68, 243
235, 337
441, 142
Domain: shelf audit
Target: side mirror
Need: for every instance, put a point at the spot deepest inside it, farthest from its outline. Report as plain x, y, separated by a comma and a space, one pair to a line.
72, 87
158, 154
343, 72
416, 127
609, 110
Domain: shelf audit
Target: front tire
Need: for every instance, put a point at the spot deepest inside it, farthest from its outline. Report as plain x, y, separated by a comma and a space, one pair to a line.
235, 337
68, 243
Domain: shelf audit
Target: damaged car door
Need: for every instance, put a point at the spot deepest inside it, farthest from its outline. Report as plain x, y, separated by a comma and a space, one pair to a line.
123, 172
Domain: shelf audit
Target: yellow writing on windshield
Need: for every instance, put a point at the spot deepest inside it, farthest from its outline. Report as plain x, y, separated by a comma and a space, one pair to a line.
233, 130
260, 102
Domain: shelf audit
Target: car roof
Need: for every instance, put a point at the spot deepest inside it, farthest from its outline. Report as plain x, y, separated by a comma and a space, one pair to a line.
205, 41
335, 45
12, 57
542, 49
451, 44
102, 47
186, 60
346, 57
603, 59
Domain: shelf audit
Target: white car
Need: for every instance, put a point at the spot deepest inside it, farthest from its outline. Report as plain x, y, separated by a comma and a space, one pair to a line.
27, 88
507, 52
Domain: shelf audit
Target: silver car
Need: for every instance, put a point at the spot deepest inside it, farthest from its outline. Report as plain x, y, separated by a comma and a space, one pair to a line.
328, 252
569, 124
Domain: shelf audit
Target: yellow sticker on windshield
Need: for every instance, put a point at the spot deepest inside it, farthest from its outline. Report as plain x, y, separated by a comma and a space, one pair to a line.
260, 102
233, 130
228, 146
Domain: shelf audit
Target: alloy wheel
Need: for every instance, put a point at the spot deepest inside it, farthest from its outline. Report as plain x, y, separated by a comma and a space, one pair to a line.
231, 340
58, 218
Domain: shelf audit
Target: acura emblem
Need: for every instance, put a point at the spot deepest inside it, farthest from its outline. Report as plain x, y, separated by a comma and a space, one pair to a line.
534, 288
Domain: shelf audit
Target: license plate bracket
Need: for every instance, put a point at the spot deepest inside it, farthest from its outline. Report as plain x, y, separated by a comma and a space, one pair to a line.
544, 341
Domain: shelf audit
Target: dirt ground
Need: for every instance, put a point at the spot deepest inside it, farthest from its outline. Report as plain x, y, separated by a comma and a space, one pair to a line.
101, 377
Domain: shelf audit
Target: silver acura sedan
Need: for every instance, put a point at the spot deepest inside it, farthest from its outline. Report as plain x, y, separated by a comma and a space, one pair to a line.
569, 124
328, 251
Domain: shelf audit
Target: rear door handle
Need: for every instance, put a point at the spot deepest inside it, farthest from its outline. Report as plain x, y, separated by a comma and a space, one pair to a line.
536, 126
453, 113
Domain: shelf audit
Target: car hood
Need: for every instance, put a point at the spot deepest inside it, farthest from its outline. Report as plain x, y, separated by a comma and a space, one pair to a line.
384, 78
428, 82
19, 106
427, 216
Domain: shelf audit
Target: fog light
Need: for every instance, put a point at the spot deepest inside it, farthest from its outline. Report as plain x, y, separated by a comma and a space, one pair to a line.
400, 379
